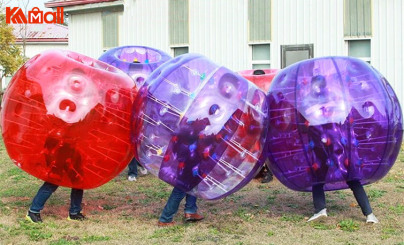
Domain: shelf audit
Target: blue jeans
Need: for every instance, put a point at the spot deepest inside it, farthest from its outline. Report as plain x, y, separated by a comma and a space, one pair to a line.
357, 189
46, 190
173, 204
133, 167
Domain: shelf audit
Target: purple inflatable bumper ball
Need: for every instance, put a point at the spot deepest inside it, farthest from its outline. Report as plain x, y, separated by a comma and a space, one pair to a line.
332, 120
200, 127
136, 61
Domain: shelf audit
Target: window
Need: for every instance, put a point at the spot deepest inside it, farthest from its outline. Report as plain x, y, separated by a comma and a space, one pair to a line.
357, 18
259, 35
261, 56
180, 50
293, 53
259, 20
110, 26
179, 22
359, 49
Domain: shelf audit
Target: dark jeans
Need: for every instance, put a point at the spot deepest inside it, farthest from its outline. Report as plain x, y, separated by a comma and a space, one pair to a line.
133, 167
354, 185
173, 204
46, 190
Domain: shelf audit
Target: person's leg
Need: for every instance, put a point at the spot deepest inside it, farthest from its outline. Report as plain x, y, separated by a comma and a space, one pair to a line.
319, 202
39, 201
172, 205
190, 204
76, 198
42, 196
190, 210
132, 172
318, 197
132, 168
360, 196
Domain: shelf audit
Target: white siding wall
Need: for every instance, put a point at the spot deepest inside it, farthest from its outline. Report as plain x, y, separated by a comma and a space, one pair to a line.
145, 22
304, 22
85, 34
387, 43
218, 30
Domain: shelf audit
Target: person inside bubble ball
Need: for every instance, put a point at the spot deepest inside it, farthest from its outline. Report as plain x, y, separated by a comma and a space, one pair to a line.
64, 160
134, 164
187, 135
326, 150
265, 172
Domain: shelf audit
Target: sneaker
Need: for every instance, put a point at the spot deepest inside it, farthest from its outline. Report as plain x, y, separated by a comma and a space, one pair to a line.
371, 218
318, 216
132, 178
77, 217
193, 217
143, 171
33, 217
165, 224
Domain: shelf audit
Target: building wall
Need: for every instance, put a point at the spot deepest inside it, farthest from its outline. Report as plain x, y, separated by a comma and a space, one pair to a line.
85, 33
387, 43
145, 22
219, 30
33, 49
315, 22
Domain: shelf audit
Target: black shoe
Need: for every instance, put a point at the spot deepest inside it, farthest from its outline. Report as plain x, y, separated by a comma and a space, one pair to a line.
78, 217
267, 178
33, 217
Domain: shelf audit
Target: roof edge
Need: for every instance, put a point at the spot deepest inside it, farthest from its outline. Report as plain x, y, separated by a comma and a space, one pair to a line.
63, 3
39, 40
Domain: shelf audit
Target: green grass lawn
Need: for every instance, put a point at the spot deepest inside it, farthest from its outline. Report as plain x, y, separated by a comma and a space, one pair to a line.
123, 212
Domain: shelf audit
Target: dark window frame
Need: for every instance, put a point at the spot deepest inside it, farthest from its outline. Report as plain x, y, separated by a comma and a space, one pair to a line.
299, 47
179, 47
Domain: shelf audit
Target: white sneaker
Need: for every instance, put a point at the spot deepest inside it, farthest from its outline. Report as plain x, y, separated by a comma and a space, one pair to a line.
143, 171
321, 214
371, 218
131, 178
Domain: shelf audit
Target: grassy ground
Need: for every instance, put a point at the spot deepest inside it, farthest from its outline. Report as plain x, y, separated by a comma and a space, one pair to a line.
123, 212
